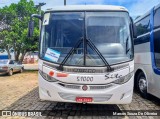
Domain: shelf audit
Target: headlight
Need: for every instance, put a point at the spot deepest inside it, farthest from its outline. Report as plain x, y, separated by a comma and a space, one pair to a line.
47, 77
124, 79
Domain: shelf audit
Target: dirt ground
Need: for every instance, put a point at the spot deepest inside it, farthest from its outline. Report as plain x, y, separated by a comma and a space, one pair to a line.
19, 84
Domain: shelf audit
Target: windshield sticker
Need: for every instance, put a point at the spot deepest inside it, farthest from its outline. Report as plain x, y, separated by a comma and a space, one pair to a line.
46, 19
52, 55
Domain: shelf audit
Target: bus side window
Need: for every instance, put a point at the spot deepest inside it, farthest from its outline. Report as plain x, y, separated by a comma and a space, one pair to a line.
157, 18
143, 26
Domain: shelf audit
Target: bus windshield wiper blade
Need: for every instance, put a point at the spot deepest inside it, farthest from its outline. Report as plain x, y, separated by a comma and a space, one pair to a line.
70, 53
93, 47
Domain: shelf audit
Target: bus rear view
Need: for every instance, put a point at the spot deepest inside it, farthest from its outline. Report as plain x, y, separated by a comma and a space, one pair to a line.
86, 55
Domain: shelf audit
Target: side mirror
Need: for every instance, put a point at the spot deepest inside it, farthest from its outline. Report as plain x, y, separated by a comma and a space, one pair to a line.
30, 28
31, 24
134, 31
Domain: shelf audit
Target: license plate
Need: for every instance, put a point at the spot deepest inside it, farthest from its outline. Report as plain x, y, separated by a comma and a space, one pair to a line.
84, 99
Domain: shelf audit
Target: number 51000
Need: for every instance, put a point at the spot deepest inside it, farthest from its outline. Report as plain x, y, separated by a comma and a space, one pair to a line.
85, 78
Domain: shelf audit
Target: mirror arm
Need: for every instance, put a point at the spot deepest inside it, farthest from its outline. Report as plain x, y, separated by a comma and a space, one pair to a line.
36, 16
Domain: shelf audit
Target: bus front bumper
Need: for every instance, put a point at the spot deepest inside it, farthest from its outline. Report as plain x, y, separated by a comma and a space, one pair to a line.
113, 94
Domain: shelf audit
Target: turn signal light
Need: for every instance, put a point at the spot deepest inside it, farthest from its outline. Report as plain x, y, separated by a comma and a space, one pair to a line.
62, 75
51, 73
47, 77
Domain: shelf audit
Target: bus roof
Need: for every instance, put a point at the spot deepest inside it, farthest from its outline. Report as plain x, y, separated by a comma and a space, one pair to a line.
146, 14
87, 8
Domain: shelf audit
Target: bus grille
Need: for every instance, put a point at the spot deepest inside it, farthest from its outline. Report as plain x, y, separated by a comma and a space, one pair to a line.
100, 87
72, 86
96, 98
84, 70
91, 87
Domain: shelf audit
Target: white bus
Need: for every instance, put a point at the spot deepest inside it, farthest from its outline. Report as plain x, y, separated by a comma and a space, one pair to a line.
147, 53
86, 54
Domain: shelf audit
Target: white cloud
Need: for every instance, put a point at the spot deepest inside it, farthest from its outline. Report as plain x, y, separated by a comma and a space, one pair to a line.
86, 1
6, 2
3, 1
142, 6
52, 3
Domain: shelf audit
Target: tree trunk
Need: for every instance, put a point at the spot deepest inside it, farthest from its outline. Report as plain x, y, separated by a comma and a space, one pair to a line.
16, 57
22, 57
9, 55
17, 53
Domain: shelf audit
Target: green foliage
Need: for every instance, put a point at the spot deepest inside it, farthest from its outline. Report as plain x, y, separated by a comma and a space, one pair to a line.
16, 17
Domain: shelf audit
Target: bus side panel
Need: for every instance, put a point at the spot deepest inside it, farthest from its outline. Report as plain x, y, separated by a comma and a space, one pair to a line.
155, 84
156, 76
142, 54
143, 62
145, 47
155, 52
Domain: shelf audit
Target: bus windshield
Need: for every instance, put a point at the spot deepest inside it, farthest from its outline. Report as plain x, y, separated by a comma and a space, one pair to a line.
108, 31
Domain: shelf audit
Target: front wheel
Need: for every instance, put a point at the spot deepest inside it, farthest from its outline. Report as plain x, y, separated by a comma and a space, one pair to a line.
142, 85
10, 73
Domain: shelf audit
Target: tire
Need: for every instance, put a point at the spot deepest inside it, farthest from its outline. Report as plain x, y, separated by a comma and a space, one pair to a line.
10, 73
22, 69
142, 85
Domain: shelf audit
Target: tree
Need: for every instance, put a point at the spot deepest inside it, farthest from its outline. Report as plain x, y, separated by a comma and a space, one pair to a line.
5, 42
17, 16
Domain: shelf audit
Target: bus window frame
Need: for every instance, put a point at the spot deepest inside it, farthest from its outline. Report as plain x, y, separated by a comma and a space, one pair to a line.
154, 67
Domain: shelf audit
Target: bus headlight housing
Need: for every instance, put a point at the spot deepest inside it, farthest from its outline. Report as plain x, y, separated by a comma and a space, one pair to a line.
47, 77
124, 79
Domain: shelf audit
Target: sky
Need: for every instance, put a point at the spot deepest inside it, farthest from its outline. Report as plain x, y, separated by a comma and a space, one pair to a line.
135, 7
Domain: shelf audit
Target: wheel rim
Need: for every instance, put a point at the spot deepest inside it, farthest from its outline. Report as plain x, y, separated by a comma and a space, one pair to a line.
142, 84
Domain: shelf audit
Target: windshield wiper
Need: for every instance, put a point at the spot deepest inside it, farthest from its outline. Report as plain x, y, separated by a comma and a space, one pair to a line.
93, 47
69, 54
